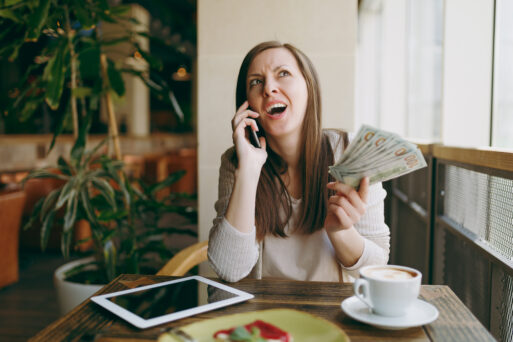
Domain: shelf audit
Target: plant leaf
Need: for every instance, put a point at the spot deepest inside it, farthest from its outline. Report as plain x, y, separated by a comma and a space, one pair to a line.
105, 190
84, 17
89, 154
71, 213
55, 71
42, 173
125, 192
105, 16
67, 192
78, 148
8, 14
34, 214
37, 20
89, 60
46, 229
57, 130
66, 243
115, 41
77, 269
107, 216
48, 205
120, 10
104, 5
64, 166
8, 3
88, 208
115, 79
29, 108
82, 92
171, 179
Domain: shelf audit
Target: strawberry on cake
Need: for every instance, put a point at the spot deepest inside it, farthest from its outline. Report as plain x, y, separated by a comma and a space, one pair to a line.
258, 331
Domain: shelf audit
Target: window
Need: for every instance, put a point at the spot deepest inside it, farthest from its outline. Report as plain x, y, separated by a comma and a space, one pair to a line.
424, 73
368, 63
502, 112
399, 67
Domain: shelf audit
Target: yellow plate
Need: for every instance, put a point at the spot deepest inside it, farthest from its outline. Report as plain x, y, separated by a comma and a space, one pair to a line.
304, 327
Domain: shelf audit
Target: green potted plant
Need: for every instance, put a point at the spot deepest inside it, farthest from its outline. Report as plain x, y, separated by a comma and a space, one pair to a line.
124, 216
69, 76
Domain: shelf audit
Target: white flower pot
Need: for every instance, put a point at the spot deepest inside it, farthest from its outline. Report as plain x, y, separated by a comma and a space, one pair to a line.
71, 294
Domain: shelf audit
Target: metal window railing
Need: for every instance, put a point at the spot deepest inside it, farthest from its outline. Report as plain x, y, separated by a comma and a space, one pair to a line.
454, 221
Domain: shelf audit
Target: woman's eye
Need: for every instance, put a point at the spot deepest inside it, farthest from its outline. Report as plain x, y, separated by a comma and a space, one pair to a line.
283, 73
254, 82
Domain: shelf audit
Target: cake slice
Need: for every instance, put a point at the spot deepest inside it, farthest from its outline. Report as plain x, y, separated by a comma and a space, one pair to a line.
258, 331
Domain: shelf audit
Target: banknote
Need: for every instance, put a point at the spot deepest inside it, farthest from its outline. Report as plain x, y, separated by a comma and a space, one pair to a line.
377, 154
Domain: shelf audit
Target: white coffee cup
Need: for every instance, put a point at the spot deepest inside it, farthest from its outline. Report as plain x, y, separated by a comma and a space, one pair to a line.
389, 290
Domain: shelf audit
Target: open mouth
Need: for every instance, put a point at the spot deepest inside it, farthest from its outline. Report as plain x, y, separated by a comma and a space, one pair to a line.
276, 108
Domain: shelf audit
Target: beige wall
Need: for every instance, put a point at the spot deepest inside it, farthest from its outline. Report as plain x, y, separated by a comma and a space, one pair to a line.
227, 29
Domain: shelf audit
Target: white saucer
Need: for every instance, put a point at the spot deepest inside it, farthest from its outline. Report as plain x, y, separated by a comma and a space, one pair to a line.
418, 314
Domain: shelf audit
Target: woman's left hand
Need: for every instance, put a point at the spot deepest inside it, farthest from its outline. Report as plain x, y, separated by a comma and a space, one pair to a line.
347, 206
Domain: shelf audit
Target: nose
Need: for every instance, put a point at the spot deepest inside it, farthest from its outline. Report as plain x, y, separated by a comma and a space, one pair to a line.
270, 87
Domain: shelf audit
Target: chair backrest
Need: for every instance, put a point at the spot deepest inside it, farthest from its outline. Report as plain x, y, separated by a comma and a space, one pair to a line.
186, 259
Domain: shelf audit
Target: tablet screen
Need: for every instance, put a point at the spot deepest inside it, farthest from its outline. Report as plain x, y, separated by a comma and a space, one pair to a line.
150, 305
159, 301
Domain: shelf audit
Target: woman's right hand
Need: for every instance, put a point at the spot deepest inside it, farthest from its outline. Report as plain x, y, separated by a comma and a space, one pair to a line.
249, 157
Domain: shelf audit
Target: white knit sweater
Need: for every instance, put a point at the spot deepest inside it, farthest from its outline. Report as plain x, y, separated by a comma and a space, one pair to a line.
234, 255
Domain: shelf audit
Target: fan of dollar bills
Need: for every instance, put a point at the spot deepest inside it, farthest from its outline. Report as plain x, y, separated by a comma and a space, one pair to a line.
377, 154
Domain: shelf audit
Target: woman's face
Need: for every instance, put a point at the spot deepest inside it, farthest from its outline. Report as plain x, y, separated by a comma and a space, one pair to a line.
277, 90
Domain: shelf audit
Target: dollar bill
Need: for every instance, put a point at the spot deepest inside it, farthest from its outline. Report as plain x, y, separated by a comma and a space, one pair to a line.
376, 154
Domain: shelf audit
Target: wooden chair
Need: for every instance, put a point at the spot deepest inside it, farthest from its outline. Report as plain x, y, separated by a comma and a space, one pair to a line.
11, 208
184, 260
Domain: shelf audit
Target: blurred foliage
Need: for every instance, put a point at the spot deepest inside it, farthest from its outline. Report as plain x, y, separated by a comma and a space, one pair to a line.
56, 47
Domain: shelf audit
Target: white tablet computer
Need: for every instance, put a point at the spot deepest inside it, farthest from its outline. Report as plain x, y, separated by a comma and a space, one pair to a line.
150, 305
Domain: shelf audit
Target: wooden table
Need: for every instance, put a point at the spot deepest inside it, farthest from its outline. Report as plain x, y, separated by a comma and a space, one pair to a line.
90, 322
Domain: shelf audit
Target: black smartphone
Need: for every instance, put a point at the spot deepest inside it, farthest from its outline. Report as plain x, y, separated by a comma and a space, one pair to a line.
253, 137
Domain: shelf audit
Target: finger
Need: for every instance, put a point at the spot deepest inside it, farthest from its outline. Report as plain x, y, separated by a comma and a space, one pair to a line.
334, 199
241, 124
345, 190
364, 189
356, 201
253, 125
351, 211
243, 115
340, 187
341, 215
236, 118
239, 130
243, 107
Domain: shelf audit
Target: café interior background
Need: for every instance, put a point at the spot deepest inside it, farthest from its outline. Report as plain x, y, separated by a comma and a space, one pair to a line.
430, 70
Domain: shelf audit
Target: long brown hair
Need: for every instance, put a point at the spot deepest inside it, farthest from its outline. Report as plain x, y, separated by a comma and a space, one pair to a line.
315, 156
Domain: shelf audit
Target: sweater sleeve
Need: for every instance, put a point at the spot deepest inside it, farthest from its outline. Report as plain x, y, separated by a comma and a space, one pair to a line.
375, 232
232, 254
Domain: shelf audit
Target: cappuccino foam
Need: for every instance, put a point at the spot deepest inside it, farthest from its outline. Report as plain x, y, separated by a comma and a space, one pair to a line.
387, 273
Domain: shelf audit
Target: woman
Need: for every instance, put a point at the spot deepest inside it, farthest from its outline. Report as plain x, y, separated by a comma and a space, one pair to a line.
277, 213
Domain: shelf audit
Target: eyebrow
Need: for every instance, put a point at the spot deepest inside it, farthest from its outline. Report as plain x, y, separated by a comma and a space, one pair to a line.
278, 67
